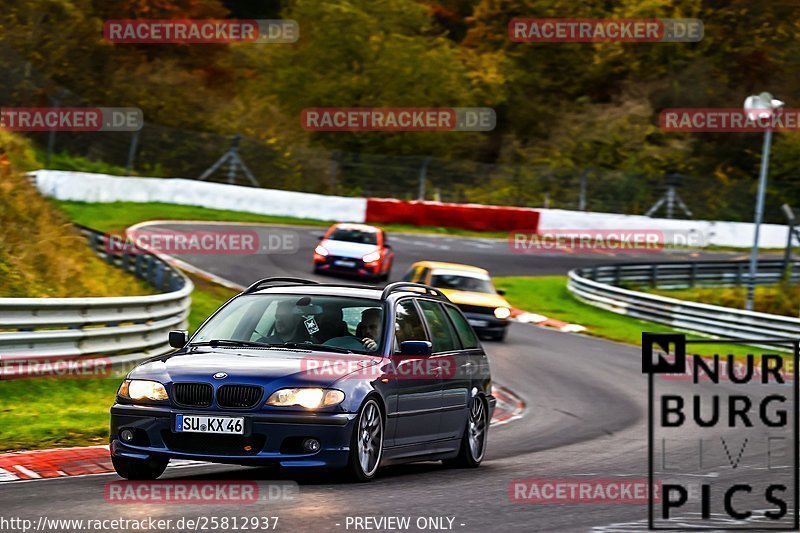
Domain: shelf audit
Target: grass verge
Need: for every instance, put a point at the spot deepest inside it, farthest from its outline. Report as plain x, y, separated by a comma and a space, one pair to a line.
779, 299
117, 216
50, 412
39, 413
548, 295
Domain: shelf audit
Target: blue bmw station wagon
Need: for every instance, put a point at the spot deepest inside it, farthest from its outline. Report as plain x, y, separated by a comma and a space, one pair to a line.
299, 374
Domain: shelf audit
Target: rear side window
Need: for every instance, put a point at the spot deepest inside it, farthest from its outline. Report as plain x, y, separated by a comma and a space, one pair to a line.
408, 324
423, 275
465, 332
443, 336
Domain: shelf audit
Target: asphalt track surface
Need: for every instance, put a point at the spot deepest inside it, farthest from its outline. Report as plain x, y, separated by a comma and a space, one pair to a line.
493, 254
586, 419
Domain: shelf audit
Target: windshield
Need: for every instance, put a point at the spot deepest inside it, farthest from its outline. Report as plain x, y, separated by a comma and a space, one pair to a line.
354, 235
462, 283
355, 324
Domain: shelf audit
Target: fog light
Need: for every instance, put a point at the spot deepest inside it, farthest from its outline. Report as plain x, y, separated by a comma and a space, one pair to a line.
126, 435
311, 445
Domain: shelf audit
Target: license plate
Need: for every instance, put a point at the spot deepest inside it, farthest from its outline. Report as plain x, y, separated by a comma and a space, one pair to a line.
348, 264
228, 425
478, 323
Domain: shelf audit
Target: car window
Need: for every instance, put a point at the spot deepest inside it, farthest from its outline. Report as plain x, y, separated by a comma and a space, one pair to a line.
443, 336
457, 282
465, 331
281, 318
408, 324
423, 275
354, 235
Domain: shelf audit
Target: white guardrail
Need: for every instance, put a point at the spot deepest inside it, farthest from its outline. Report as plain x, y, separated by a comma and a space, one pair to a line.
120, 330
600, 286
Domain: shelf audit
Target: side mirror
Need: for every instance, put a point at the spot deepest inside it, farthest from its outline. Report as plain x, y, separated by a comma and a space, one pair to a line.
501, 292
416, 348
178, 338
320, 237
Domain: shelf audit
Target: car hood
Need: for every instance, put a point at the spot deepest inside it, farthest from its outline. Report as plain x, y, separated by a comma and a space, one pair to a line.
278, 368
475, 298
356, 250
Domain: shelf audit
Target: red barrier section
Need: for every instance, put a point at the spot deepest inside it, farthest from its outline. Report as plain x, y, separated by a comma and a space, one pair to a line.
466, 216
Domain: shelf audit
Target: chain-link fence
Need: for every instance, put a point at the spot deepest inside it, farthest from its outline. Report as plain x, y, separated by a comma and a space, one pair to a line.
162, 151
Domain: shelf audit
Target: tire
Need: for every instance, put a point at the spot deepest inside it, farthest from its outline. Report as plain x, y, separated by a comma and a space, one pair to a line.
139, 469
363, 464
472, 451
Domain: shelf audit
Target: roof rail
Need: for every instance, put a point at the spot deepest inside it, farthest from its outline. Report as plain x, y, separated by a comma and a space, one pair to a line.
401, 285
263, 283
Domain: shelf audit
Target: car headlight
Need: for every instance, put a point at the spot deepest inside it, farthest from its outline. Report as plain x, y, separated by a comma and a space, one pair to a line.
320, 250
371, 257
502, 312
140, 389
310, 398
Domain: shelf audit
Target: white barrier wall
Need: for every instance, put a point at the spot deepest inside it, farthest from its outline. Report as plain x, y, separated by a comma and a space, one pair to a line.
738, 234
85, 187
102, 188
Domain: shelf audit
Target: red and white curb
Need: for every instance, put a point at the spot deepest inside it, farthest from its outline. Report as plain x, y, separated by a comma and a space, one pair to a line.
509, 406
63, 462
88, 460
532, 318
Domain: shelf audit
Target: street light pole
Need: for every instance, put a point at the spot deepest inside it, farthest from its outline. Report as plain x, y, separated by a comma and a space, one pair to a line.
762, 187
759, 106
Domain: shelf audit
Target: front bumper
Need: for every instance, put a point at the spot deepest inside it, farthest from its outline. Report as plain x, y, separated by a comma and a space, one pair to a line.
347, 265
485, 323
269, 438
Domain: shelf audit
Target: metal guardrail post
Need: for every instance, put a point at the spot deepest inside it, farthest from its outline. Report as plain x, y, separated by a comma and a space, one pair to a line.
693, 275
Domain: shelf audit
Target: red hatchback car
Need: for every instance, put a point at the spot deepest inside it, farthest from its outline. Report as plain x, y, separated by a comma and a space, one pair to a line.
355, 249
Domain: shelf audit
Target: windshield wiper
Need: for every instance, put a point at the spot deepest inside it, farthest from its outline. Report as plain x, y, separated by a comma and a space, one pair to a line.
310, 345
231, 342
297, 345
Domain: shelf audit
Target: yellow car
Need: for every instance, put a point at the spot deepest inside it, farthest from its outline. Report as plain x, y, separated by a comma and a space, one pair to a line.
471, 289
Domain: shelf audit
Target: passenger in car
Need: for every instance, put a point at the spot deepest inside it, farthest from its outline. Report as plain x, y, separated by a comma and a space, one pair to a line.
287, 326
369, 329
331, 324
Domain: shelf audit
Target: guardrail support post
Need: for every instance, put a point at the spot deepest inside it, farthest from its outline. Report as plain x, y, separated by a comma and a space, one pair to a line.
693, 275
654, 276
